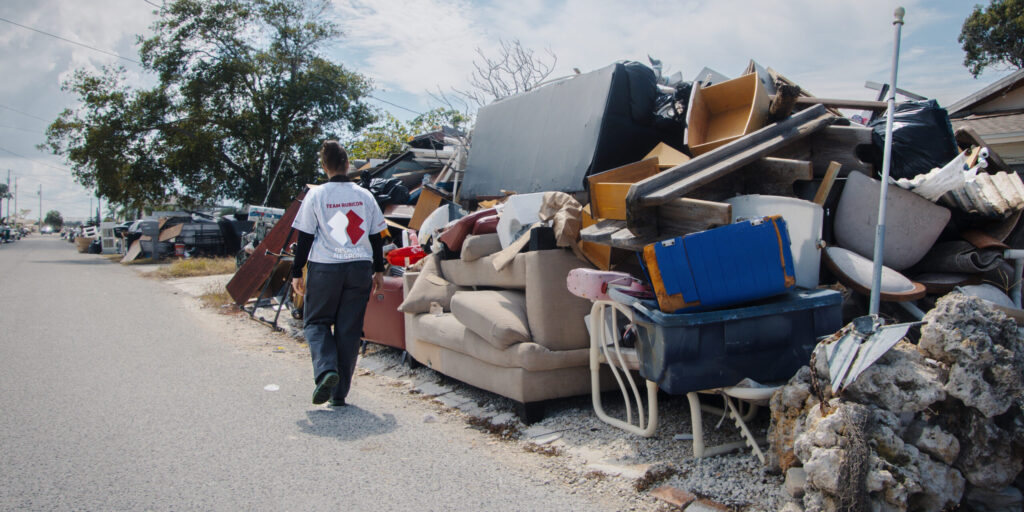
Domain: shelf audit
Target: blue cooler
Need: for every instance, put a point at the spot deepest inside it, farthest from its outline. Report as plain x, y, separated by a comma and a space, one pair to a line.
729, 265
768, 341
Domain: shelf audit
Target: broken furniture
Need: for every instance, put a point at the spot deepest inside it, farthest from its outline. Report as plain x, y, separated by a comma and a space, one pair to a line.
516, 332
550, 138
723, 112
256, 276
644, 197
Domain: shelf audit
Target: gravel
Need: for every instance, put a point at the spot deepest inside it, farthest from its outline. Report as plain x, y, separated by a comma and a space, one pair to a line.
587, 453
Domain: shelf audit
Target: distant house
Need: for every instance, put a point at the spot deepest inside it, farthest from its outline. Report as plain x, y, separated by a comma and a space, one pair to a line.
997, 114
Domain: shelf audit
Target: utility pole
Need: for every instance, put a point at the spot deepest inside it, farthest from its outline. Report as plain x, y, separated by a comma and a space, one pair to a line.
8, 200
40, 226
16, 195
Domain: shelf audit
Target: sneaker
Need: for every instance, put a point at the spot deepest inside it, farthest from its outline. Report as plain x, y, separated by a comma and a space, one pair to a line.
325, 387
338, 402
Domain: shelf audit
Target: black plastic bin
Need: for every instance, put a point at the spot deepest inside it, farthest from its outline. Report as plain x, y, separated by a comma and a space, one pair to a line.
767, 342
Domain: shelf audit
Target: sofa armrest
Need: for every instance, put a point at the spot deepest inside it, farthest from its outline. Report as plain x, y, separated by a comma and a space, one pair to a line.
555, 316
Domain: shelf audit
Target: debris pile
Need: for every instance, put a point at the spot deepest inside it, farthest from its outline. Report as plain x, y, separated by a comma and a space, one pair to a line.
928, 427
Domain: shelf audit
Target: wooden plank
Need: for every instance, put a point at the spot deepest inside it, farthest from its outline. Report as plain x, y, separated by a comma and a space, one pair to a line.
133, 252
842, 144
171, 232
601, 232
826, 184
680, 180
255, 271
428, 202
877, 106
684, 216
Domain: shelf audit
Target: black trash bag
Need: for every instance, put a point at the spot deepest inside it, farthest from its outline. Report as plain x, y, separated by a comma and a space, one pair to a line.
670, 115
388, 191
922, 139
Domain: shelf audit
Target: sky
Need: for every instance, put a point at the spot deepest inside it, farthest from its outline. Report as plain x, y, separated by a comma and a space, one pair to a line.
413, 48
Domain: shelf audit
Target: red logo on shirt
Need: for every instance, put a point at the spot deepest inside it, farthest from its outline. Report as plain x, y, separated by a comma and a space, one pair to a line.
355, 233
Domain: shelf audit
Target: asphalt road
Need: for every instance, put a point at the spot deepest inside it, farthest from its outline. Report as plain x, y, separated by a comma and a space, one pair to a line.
116, 395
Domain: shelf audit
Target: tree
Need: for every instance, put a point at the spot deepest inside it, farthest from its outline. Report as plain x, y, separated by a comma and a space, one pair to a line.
244, 98
513, 70
994, 36
53, 219
389, 135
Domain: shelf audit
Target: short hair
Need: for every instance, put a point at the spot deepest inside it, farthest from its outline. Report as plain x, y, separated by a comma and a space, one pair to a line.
333, 156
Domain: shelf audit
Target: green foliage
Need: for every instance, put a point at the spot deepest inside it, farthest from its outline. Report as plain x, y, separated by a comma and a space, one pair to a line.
389, 135
53, 219
243, 100
994, 36
380, 140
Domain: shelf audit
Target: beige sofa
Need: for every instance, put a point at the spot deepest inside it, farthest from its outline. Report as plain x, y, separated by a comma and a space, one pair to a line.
517, 332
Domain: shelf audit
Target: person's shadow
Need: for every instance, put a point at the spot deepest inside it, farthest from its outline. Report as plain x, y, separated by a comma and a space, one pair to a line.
347, 423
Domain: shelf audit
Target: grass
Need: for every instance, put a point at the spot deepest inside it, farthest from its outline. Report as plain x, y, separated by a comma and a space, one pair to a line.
218, 299
196, 267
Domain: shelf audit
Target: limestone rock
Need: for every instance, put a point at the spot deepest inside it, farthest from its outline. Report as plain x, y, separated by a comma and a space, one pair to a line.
789, 406
796, 479
987, 458
984, 349
792, 507
934, 441
983, 500
900, 381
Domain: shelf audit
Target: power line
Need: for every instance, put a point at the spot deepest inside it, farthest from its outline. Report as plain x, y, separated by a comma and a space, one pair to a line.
396, 105
37, 161
22, 129
83, 45
151, 3
24, 113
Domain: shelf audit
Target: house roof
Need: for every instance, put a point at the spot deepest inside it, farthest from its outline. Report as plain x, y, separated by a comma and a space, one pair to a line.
997, 123
997, 88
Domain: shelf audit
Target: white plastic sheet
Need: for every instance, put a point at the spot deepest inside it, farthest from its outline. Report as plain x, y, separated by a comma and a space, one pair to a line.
937, 182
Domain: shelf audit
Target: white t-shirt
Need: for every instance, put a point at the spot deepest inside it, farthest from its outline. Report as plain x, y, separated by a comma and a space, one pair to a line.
341, 216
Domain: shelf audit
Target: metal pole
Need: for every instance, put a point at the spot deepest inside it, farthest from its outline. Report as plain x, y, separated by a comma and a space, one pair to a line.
40, 226
876, 276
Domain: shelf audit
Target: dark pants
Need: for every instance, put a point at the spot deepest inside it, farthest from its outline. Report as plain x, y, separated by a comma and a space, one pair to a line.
336, 294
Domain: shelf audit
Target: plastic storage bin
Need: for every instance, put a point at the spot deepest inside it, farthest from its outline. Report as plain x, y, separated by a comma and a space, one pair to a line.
767, 342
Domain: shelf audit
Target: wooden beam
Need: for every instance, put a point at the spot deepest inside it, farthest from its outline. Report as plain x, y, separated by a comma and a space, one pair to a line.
683, 179
826, 184
840, 103
676, 218
683, 216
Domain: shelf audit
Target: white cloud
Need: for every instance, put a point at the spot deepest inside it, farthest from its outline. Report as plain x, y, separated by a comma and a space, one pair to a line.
830, 48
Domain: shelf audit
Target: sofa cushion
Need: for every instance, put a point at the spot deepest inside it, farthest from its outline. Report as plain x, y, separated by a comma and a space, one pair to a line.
429, 287
498, 316
446, 331
555, 315
479, 246
481, 273
455, 235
